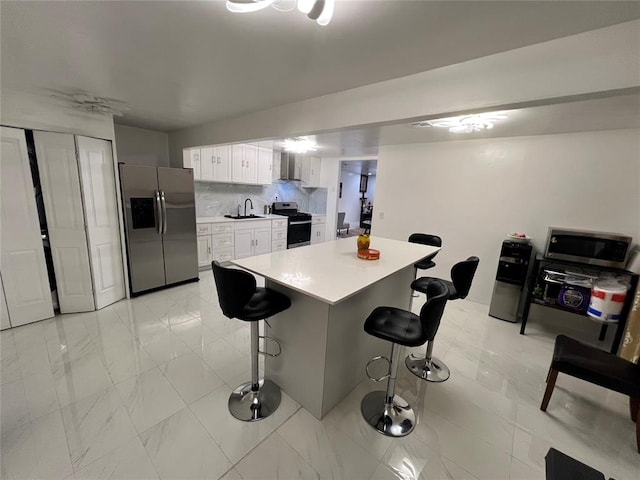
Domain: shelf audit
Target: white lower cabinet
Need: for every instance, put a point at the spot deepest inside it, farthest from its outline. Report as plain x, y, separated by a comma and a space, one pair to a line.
215, 242
318, 228
279, 234
252, 238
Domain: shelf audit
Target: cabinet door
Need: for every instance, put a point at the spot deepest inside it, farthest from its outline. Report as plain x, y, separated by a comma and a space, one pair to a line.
207, 164
24, 271
262, 241
237, 163
204, 250
62, 198
196, 160
321, 234
222, 171
95, 161
251, 164
314, 171
265, 164
315, 233
243, 242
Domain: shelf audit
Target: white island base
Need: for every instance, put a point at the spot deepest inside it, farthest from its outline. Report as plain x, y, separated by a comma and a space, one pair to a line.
325, 348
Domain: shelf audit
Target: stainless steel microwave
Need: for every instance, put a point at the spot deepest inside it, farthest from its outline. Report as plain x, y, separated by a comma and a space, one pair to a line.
583, 246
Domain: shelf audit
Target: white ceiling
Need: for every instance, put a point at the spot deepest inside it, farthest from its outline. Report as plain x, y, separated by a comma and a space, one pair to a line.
179, 64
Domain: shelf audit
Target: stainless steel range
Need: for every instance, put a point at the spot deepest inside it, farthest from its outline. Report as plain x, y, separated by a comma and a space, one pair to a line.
299, 225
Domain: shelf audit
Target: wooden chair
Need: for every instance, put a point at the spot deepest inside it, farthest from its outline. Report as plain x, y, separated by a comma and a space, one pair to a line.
595, 366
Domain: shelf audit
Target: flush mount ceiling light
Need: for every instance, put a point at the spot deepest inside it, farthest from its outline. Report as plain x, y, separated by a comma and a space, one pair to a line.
465, 123
299, 145
319, 10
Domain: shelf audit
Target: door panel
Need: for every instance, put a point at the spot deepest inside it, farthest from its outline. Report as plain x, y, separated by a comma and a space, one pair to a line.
243, 241
251, 164
24, 271
223, 163
60, 182
207, 163
262, 243
179, 240
142, 220
204, 250
95, 160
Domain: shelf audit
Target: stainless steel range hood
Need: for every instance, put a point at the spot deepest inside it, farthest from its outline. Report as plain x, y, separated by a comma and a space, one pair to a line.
290, 166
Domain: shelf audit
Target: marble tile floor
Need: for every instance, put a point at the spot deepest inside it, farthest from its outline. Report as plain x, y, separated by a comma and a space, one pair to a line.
139, 390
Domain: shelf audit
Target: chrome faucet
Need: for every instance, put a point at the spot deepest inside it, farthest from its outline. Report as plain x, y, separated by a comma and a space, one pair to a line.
245, 205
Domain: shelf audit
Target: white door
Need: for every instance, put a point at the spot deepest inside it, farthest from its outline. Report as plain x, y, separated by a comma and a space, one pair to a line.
207, 164
24, 271
265, 163
60, 183
237, 163
243, 242
251, 163
223, 163
204, 250
262, 241
4, 313
95, 159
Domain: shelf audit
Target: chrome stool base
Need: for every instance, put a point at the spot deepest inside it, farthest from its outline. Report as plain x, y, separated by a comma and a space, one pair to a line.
250, 406
433, 371
396, 420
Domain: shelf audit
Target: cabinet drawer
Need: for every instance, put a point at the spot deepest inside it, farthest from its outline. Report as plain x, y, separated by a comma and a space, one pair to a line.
278, 245
204, 228
221, 227
279, 234
223, 255
252, 224
316, 220
279, 223
222, 241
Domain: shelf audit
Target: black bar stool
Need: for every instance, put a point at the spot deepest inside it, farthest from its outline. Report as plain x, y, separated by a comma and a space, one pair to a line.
426, 262
240, 298
385, 411
427, 366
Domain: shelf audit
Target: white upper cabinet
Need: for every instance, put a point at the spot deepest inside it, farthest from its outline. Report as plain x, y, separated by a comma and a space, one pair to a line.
241, 163
311, 171
265, 165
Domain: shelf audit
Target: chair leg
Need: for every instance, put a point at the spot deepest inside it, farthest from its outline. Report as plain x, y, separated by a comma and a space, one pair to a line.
256, 399
551, 382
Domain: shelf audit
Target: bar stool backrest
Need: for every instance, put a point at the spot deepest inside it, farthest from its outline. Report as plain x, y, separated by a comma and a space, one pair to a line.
235, 289
462, 274
431, 312
426, 239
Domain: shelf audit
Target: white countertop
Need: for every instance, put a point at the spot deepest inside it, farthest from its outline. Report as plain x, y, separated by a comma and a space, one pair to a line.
331, 271
225, 219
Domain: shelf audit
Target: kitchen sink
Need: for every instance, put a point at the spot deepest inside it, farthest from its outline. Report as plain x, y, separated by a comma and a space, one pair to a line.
242, 217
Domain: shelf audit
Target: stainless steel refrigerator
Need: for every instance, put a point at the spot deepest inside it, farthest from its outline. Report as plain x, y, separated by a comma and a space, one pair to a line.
160, 224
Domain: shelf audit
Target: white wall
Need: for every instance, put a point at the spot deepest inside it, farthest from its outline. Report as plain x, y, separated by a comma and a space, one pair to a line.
594, 61
140, 146
474, 192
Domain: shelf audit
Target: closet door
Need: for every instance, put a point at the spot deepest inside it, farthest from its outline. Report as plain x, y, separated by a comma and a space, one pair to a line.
60, 182
24, 271
95, 160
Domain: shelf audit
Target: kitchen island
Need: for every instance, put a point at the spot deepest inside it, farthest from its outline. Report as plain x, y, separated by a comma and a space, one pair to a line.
332, 291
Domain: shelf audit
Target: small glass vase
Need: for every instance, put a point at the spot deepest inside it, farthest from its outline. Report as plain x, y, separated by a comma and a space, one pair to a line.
363, 241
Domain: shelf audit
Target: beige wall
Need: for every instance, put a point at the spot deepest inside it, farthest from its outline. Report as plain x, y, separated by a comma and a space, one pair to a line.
140, 146
474, 192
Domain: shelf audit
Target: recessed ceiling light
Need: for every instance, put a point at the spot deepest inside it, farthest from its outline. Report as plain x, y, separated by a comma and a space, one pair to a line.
464, 123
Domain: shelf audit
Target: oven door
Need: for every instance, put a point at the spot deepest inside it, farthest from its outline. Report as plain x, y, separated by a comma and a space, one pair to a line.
298, 233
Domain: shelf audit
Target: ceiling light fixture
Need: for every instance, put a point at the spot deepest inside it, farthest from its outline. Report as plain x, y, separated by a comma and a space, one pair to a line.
299, 145
319, 10
465, 123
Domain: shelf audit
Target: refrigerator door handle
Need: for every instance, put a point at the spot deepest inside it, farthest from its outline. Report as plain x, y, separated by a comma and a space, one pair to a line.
159, 212
164, 212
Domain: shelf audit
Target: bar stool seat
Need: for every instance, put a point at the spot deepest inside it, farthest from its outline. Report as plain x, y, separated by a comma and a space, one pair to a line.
240, 298
385, 411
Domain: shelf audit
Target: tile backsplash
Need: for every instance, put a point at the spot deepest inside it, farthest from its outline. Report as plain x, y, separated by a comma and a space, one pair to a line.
215, 199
